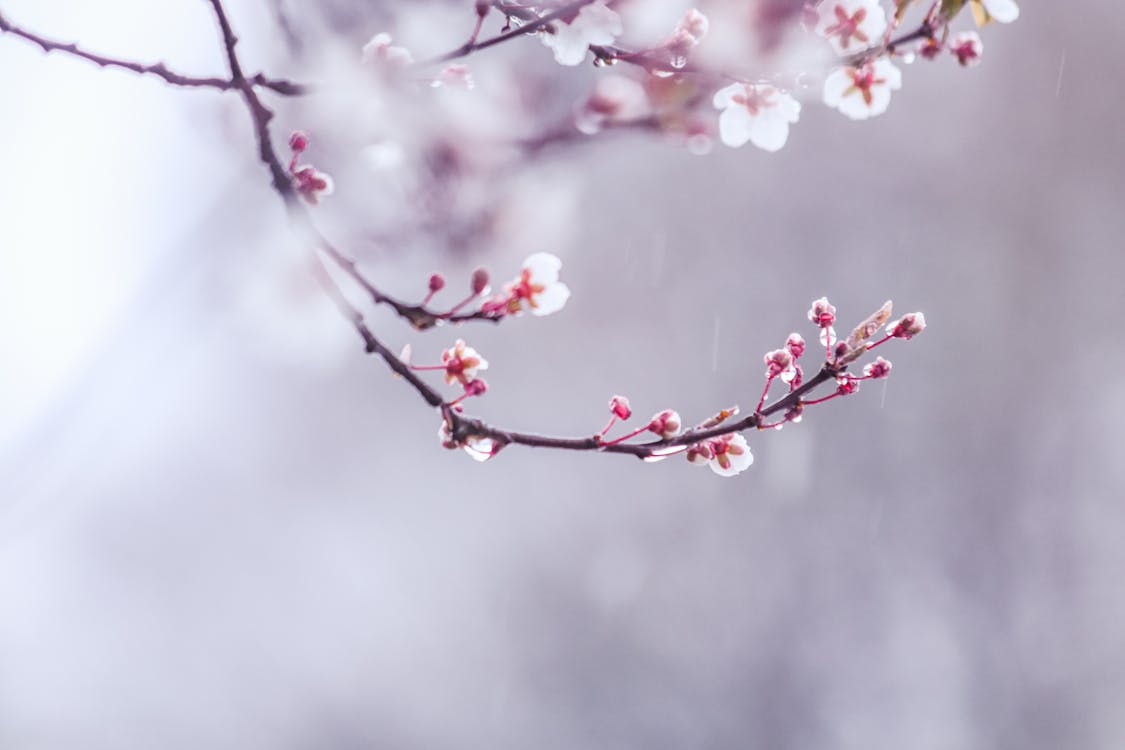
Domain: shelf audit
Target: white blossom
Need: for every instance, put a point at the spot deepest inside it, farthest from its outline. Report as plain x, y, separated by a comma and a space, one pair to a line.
758, 114
862, 92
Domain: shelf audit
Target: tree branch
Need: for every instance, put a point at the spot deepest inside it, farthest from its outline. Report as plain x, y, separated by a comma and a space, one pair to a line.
158, 69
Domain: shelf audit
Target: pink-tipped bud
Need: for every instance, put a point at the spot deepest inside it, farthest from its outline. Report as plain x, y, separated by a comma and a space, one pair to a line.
796, 345
479, 281
619, 405
846, 385
699, 454
880, 368
822, 313
437, 283
476, 387
777, 362
482, 7
666, 424
908, 326
298, 142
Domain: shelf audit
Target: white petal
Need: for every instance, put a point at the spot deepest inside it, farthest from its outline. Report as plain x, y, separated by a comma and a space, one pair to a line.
770, 130
544, 268
735, 124
552, 299
724, 97
1004, 11
886, 69
837, 82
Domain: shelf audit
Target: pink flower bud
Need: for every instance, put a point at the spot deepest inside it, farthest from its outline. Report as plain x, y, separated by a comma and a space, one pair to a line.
777, 362
479, 281
437, 282
666, 424
822, 313
482, 7
880, 368
846, 385
699, 454
796, 345
476, 387
908, 326
298, 142
619, 405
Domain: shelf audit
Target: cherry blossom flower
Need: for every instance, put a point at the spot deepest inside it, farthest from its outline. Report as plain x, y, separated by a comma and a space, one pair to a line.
862, 92
907, 327
851, 25
538, 287
1004, 11
596, 23
758, 114
381, 51
968, 47
727, 455
462, 363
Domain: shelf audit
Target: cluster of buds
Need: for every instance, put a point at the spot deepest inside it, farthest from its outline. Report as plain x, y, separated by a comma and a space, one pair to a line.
310, 184
709, 443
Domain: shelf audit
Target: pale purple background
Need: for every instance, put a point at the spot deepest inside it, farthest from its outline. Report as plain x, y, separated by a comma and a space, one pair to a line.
222, 526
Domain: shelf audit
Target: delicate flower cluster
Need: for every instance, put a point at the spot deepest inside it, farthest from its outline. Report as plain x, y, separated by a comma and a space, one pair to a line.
310, 184
757, 111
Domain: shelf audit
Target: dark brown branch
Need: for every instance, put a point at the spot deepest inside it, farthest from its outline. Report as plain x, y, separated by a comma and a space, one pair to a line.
159, 69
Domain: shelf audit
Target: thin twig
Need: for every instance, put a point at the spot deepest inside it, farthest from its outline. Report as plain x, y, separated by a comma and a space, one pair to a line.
158, 69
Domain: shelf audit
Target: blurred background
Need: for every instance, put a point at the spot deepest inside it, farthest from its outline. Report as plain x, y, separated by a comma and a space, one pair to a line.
221, 525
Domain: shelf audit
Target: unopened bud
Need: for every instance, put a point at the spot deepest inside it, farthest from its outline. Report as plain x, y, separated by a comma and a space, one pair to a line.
299, 141
479, 282
666, 424
619, 405
476, 387
437, 282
